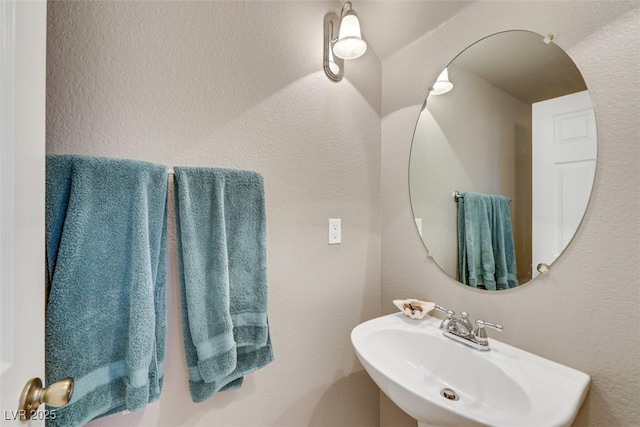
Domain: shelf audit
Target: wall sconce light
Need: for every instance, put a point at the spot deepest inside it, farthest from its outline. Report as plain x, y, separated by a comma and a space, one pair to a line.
442, 84
347, 45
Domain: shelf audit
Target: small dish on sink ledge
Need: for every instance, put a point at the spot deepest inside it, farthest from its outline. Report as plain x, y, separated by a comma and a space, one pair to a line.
414, 308
441, 382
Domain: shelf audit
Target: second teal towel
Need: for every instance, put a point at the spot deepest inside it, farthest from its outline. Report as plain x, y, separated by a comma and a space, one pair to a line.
221, 230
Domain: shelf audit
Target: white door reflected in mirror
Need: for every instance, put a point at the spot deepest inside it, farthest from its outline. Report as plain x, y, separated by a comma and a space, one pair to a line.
564, 166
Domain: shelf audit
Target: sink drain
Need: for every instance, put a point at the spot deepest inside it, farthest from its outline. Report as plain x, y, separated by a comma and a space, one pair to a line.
449, 394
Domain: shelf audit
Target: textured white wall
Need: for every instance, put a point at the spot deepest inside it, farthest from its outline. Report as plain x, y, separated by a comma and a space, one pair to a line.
239, 84
586, 313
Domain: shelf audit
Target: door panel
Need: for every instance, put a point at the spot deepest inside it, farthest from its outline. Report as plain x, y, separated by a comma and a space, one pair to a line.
22, 120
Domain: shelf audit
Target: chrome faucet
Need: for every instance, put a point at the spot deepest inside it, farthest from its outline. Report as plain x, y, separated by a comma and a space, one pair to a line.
461, 329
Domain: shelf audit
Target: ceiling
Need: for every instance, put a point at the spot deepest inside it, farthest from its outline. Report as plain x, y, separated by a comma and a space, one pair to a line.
390, 25
522, 65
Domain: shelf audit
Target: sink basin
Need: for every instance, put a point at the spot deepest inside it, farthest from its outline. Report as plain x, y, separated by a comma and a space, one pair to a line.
421, 371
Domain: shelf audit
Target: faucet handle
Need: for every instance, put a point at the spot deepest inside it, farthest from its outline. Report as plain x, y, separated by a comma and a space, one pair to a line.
445, 310
481, 324
449, 313
481, 334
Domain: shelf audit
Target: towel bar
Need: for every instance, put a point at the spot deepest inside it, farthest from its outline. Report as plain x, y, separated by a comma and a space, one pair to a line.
457, 196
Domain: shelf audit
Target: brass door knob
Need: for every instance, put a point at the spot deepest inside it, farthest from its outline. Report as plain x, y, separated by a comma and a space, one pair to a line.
33, 395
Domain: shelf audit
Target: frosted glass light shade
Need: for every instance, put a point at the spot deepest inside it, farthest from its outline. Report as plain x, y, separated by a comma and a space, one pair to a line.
442, 85
350, 44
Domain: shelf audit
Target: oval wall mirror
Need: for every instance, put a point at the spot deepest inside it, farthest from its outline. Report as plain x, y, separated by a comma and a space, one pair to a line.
515, 136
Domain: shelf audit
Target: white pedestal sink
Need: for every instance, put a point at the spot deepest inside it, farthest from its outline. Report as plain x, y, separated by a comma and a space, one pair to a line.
421, 371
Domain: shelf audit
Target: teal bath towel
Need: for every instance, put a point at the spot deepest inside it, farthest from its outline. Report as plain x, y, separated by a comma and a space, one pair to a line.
486, 253
221, 230
106, 256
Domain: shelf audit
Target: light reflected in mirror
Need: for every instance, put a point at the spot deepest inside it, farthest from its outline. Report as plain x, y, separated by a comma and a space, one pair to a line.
518, 125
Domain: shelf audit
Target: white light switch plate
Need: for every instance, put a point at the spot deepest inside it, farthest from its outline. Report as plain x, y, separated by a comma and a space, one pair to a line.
335, 231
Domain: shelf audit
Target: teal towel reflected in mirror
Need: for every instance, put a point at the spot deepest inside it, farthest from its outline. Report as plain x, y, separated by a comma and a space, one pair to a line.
486, 253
